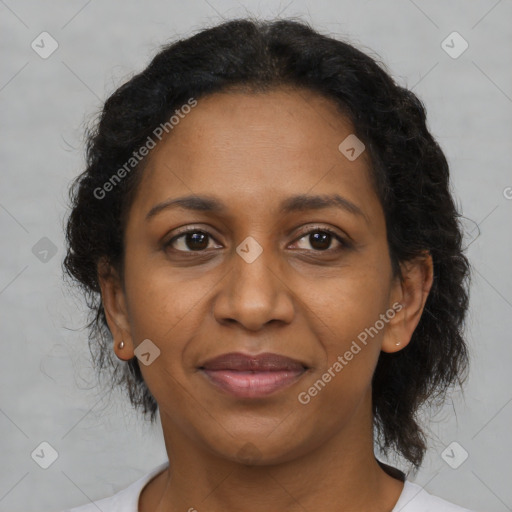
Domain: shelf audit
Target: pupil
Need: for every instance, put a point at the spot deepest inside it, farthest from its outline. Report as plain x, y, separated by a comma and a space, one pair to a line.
322, 239
196, 241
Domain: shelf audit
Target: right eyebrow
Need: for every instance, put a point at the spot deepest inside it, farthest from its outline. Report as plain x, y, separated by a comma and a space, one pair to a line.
194, 203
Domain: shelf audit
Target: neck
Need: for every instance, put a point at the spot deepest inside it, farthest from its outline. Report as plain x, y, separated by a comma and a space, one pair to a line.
341, 474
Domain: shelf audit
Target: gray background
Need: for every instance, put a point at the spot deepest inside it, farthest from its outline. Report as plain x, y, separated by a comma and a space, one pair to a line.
47, 385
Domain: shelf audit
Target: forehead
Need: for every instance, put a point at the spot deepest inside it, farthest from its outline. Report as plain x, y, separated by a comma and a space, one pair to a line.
256, 145
270, 124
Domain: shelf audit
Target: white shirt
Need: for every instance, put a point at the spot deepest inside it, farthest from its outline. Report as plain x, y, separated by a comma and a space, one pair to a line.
412, 499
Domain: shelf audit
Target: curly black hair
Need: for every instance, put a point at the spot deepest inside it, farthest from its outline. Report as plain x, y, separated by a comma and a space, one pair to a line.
409, 171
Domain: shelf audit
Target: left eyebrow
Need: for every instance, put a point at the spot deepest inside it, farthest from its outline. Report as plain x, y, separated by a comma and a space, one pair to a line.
301, 202
304, 202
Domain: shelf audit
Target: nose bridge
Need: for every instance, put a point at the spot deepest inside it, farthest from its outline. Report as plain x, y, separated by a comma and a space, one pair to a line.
254, 293
253, 268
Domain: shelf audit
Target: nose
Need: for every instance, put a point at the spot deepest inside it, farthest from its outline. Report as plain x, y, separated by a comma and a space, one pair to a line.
254, 293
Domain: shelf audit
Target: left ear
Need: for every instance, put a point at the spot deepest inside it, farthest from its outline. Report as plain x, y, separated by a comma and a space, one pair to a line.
411, 292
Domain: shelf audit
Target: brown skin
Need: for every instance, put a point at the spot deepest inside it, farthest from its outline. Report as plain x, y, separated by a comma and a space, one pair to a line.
251, 151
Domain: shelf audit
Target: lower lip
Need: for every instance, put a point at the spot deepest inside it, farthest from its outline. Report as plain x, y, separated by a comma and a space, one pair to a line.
247, 384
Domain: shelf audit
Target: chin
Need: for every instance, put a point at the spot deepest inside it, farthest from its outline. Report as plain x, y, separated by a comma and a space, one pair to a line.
259, 449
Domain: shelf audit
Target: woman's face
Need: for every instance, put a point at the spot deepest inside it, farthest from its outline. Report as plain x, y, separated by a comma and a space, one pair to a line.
265, 179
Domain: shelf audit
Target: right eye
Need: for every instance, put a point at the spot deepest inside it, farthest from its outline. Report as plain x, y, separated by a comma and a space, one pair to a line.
190, 240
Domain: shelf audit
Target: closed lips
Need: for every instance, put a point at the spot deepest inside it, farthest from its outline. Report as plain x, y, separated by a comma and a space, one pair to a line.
266, 362
246, 376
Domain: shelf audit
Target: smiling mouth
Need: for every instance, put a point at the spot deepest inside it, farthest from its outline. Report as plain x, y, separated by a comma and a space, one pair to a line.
252, 376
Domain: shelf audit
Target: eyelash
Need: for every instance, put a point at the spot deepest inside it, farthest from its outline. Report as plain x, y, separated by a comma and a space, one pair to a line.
317, 229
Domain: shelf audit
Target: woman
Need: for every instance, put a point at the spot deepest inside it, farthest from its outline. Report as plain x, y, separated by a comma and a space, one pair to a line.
268, 242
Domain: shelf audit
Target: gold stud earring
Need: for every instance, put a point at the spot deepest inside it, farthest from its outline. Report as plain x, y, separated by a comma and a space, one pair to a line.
397, 343
121, 345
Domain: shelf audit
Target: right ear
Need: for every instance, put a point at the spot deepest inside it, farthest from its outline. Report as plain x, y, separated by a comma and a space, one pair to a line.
114, 304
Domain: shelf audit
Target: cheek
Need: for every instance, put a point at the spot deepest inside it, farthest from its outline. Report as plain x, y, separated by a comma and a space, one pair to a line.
162, 302
347, 312
159, 316
336, 388
351, 302
167, 308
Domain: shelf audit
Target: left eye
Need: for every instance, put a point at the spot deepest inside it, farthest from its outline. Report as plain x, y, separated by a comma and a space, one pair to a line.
321, 239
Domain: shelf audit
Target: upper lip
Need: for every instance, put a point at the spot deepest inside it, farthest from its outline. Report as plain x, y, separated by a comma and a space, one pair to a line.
245, 362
